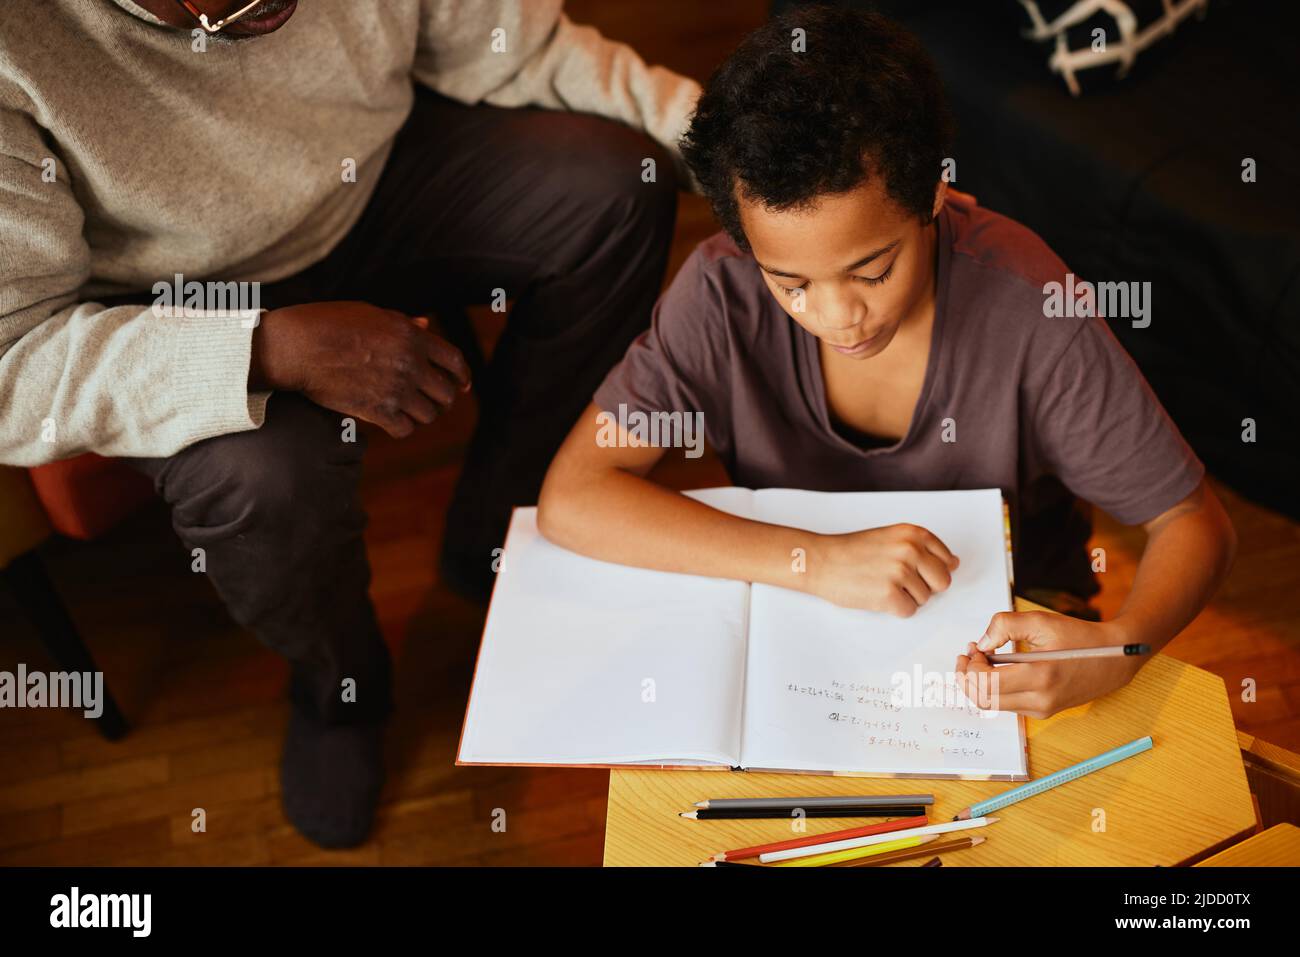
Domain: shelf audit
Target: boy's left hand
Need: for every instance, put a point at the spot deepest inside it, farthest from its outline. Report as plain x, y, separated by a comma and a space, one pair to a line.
1040, 689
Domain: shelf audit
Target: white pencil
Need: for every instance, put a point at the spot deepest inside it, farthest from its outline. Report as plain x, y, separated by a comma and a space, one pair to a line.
1066, 654
844, 845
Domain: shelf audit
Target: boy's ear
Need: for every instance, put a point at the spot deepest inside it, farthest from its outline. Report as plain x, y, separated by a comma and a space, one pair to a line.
940, 194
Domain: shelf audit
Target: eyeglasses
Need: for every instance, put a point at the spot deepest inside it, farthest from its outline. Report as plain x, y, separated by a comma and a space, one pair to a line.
214, 24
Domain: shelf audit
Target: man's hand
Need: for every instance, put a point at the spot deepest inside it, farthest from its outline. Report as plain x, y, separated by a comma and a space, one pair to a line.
376, 364
894, 569
1040, 689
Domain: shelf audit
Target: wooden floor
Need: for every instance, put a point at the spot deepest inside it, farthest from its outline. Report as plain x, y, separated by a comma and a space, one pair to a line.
207, 703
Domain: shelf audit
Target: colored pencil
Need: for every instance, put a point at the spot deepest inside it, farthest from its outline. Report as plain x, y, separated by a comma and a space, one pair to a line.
934, 863
765, 813
821, 860
884, 827
829, 847
859, 800
1066, 654
958, 845
1056, 779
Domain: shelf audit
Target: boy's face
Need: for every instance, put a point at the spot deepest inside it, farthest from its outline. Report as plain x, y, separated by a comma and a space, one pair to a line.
849, 269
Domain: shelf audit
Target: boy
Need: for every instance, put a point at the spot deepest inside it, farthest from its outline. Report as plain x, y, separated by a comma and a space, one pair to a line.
860, 326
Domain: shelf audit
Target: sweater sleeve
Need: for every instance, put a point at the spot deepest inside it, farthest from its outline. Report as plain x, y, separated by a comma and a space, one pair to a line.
77, 377
529, 53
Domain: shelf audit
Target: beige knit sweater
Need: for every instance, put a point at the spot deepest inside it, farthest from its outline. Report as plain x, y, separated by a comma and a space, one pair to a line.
127, 157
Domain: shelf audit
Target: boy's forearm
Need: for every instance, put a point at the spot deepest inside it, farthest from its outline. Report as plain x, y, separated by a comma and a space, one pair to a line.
1181, 567
621, 517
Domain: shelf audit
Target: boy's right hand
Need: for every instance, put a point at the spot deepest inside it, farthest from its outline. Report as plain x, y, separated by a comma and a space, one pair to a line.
894, 569
377, 364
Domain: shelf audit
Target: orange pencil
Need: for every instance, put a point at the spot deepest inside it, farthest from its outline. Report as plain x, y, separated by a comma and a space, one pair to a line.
882, 828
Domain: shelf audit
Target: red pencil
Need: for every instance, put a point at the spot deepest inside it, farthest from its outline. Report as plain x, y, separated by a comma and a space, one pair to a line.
882, 828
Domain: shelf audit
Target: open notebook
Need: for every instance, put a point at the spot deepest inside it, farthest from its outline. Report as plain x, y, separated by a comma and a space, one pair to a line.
586, 662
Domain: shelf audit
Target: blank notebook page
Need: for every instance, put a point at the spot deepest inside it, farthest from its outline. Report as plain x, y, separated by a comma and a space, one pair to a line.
588, 662
820, 679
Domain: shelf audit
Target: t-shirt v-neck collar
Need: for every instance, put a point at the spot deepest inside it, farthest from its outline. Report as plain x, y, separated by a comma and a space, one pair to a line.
809, 360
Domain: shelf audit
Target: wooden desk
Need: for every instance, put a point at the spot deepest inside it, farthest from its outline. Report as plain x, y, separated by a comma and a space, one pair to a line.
1186, 796
1279, 846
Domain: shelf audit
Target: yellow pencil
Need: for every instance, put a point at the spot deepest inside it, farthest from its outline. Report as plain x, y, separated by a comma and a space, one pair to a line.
853, 853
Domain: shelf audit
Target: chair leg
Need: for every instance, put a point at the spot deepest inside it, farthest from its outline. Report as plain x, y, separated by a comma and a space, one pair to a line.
31, 585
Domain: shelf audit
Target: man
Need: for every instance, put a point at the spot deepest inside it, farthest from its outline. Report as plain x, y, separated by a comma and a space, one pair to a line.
355, 160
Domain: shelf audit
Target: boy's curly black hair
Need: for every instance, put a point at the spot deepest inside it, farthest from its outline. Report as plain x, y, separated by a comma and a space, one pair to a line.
783, 127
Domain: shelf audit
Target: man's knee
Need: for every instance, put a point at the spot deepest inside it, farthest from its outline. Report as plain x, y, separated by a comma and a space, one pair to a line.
608, 170
300, 470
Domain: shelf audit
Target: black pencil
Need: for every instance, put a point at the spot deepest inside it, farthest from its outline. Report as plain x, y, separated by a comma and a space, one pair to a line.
728, 864
721, 814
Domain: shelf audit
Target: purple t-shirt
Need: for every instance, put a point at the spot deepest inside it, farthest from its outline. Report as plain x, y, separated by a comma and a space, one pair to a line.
1045, 409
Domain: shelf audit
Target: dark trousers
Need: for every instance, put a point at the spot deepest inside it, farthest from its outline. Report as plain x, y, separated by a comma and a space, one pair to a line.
549, 207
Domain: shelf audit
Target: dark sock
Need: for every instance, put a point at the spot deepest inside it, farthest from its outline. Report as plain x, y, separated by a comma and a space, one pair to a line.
330, 779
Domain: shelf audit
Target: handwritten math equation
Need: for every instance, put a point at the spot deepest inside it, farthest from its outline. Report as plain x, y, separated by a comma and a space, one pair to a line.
871, 711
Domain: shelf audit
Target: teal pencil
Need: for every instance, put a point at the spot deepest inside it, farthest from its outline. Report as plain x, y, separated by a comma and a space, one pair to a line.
1057, 778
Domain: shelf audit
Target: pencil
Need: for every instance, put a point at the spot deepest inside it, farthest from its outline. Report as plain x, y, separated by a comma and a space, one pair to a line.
1056, 778
821, 860
910, 853
884, 827
1066, 654
859, 800
725, 814
726, 864
828, 847
933, 863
